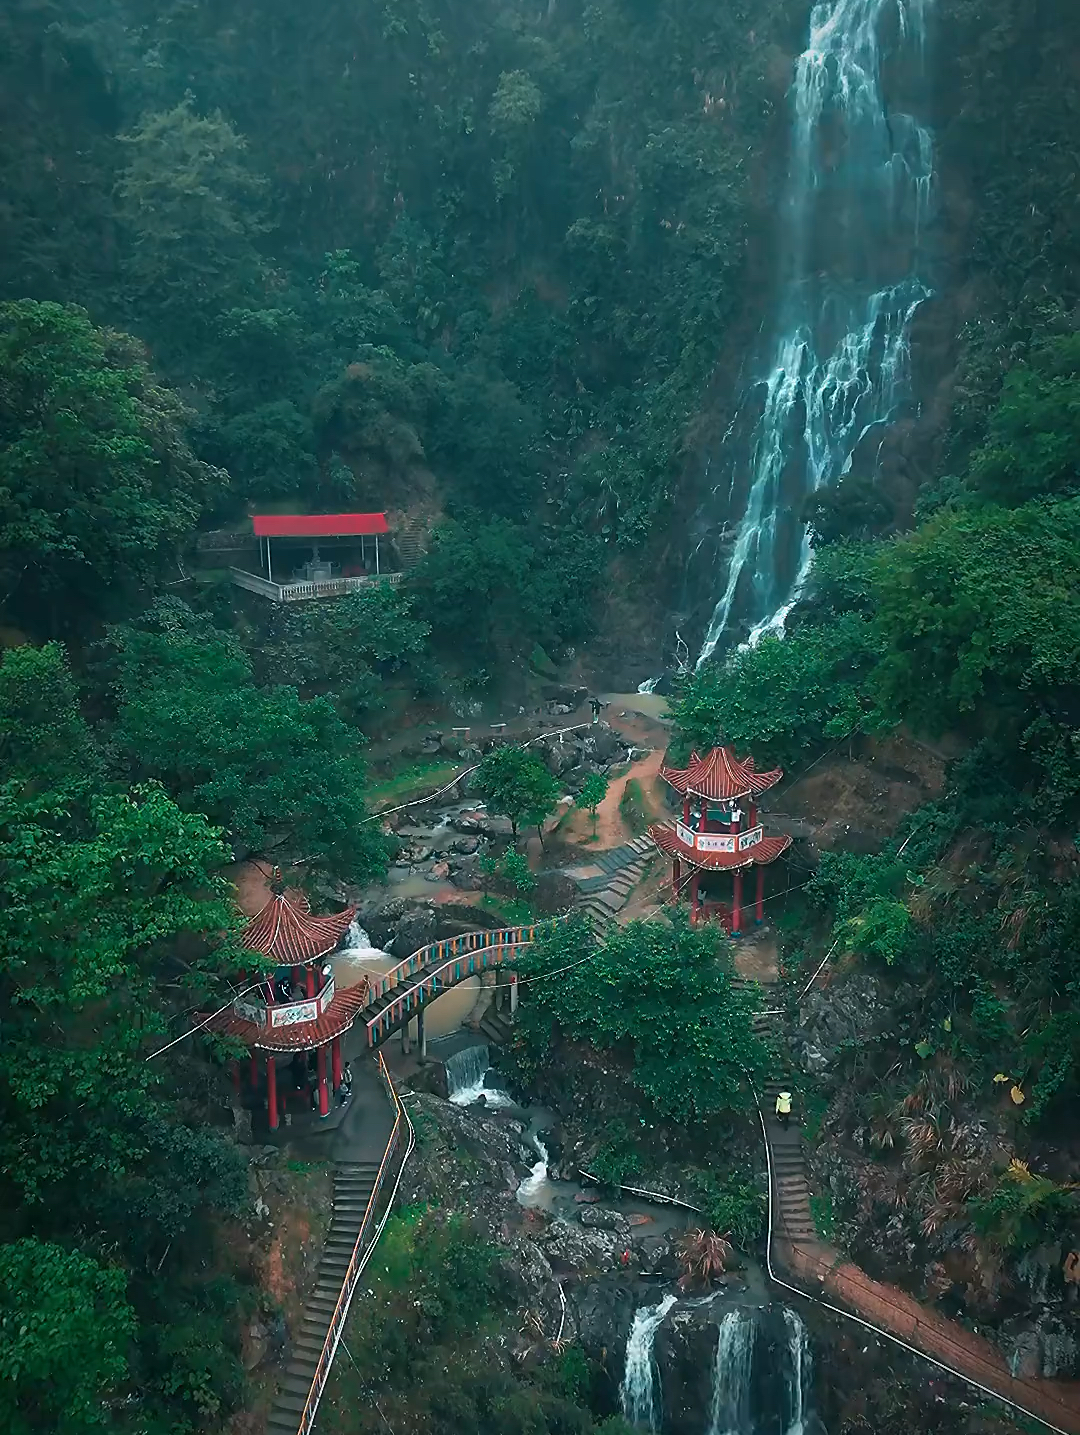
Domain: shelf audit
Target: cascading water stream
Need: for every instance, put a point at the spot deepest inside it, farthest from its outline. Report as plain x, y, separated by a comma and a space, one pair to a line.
858, 195
730, 1413
536, 1180
640, 1380
799, 1374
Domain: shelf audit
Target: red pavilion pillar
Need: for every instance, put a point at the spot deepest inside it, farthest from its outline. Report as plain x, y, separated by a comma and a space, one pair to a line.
736, 902
676, 878
324, 1098
759, 901
335, 1062
695, 882
297, 972
271, 1092
686, 810
311, 980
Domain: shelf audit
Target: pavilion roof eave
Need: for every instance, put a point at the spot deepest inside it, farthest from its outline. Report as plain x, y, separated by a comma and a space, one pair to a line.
338, 1018
285, 931
766, 851
719, 776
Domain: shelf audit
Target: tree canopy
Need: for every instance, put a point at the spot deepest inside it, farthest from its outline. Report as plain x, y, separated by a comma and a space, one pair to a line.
663, 995
97, 483
517, 785
268, 766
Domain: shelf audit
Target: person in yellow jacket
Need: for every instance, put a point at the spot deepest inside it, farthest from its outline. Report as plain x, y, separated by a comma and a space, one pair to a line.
783, 1108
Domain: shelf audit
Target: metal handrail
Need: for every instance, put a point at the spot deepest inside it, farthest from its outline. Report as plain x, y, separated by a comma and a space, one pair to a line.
858, 1319
507, 939
359, 1259
452, 946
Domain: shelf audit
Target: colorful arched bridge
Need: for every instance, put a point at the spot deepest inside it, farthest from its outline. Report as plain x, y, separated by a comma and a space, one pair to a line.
402, 993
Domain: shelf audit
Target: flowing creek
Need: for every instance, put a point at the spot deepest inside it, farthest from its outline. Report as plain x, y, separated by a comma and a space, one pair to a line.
858, 197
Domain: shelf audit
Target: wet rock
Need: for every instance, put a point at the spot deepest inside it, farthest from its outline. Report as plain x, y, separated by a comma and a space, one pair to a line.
580, 1248
439, 872
1041, 1349
845, 1011
465, 873
415, 929
603, 1218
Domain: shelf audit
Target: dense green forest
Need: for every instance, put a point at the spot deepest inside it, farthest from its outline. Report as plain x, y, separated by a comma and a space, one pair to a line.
475, 264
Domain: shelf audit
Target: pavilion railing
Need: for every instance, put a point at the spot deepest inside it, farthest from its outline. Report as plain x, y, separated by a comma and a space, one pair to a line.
366, 1241
455, 958
302, 590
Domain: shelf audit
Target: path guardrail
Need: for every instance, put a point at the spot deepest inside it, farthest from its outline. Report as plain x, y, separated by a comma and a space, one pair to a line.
361, 1253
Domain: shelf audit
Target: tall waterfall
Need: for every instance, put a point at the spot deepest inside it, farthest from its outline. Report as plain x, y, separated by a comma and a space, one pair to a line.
640, 1378
799, 1374
730, 1413
858, 195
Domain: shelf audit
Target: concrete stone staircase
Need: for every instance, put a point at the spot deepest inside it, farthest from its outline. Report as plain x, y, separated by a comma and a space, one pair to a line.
792, 1218
353, 1185
621, 869
410, 544
496, 1026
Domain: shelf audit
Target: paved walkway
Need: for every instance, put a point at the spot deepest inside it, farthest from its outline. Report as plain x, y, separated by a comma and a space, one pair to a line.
604, 895
819, 1269
355, 1145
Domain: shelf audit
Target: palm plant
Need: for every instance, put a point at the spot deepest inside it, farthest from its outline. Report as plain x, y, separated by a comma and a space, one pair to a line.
703, 1256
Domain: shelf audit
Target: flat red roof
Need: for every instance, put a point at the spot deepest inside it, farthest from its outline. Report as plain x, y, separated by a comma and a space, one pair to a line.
318, 525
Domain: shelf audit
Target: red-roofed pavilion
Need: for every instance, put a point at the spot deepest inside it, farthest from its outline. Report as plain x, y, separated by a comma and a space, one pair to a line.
712, 836
295, 1008
316, 555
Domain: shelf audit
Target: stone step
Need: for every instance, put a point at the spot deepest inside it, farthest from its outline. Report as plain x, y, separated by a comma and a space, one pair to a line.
298, 1384
290, 1404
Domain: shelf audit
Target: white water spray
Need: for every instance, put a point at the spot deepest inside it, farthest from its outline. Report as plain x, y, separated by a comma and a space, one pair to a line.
730, 1413
854, 217
799, 1374
466, 1073
640, 1380
536, 1180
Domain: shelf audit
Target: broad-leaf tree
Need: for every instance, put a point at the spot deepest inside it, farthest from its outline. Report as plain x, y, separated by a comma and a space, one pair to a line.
516, 784
664, 995
97, 484
272, 769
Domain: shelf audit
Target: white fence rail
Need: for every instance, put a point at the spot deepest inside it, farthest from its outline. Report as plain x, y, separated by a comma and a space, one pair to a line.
302, 591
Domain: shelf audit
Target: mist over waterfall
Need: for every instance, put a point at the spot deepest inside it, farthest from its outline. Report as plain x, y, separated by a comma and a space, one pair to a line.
835, 371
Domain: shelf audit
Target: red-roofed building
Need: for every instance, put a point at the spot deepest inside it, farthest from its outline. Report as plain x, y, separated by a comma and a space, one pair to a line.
717, 834
293, 1009
316, 555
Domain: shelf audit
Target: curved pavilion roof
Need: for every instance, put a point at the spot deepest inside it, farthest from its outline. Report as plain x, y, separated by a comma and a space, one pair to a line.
285, 930
336, 1020
719, 776
760, 855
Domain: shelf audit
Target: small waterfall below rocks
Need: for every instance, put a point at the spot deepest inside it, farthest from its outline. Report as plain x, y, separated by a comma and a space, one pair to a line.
357, 944
535, 1181
641, 1382
465, 1072
731, 1394
799, 1374
762, 1375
